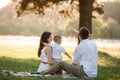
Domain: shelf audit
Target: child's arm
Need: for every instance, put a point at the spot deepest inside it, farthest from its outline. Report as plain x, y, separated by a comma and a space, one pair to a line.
68, 55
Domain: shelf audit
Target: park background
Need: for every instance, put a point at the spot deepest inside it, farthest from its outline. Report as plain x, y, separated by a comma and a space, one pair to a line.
19, 40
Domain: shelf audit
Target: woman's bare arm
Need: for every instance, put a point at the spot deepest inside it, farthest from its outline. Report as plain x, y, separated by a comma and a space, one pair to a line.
48, 52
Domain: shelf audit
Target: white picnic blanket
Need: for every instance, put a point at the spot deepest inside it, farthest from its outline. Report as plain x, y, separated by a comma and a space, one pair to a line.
9, 72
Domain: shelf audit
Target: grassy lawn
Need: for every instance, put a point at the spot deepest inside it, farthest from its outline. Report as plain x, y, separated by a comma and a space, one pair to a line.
24, 58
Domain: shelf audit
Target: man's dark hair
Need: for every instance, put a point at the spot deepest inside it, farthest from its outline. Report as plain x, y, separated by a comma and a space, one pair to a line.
84, 32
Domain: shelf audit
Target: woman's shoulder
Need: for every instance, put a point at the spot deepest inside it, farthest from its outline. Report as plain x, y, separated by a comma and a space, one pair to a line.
48, 47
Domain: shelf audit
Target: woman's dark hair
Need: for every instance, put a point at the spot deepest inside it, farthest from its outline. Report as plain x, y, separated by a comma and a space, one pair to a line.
84, 32
44, 37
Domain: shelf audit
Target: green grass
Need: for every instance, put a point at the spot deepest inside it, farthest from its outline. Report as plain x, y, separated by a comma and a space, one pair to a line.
24, 58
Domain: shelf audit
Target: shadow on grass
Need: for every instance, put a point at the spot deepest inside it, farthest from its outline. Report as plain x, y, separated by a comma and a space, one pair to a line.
108, 59
7, 63
108, 72
111, 70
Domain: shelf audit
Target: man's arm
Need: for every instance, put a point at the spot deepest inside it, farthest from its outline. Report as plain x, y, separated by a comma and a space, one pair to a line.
76, 55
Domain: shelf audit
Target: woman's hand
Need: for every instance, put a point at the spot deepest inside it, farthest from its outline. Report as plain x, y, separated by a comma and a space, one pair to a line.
52, 62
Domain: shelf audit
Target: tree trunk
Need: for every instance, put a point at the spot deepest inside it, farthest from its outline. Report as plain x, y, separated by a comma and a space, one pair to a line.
85, 10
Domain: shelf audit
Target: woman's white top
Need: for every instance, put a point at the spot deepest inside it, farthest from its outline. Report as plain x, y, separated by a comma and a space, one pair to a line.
44, 58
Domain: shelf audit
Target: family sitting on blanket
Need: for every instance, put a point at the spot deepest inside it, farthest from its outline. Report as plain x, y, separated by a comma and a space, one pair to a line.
85, 54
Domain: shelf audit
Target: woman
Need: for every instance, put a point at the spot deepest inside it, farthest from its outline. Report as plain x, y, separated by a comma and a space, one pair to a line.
45, 52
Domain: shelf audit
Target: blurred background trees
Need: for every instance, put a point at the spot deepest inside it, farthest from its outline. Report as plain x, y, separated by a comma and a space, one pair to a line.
107, 26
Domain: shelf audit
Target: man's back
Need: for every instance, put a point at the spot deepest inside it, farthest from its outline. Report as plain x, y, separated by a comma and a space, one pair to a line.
87, 54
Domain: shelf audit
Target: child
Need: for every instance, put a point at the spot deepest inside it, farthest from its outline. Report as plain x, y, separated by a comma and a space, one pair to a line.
57, 49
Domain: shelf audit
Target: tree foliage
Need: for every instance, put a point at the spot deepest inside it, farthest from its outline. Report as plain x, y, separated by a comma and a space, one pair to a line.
24, 7
66, 8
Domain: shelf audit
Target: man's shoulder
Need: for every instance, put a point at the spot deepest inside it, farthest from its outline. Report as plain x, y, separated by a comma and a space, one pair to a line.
86, 42
93, 43
81, 45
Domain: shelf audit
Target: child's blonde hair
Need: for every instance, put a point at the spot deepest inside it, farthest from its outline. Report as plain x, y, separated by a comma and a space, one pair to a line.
56, 37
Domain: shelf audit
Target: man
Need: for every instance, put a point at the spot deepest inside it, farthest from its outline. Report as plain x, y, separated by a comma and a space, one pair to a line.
85, 53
